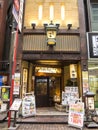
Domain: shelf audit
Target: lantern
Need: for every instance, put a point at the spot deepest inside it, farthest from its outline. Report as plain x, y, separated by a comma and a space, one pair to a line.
51, 31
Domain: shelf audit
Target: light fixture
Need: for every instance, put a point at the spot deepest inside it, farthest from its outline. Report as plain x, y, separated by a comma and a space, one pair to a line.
33, 25
45, 24
69, 26
58, 25
51, 31
89, 100
73, 71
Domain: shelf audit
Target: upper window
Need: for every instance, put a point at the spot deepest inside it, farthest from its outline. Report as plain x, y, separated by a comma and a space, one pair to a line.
94, 16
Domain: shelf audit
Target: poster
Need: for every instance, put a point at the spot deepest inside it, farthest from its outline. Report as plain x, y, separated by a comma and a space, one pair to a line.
76, 114
5, 93
28, 105
3, 80
16, 84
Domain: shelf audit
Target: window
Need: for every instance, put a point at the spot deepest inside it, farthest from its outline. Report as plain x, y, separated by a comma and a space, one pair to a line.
51, 12
62, 12
40, 12
94, 16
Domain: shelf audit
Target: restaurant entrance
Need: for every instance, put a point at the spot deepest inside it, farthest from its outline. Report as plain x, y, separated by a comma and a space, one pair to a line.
47, 90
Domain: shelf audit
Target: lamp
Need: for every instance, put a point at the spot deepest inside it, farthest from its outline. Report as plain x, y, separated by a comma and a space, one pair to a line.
33, 25
89, 101
51, 31
45, 24
69, 26
58, 25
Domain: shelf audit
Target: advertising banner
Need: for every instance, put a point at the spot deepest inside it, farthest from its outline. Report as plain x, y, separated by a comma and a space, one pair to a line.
76, 114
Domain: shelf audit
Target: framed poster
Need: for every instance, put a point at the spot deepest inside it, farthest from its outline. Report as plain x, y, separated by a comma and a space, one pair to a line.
25, 79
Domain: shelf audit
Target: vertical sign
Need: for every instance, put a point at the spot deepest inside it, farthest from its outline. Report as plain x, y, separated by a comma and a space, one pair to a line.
16, 84
85, 81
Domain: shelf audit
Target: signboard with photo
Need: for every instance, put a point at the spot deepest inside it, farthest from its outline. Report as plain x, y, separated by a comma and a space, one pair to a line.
70, 95
76, 114
28, 105
92, 45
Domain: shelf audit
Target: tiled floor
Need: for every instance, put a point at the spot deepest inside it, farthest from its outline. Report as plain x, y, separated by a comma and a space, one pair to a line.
46, 115
49, 111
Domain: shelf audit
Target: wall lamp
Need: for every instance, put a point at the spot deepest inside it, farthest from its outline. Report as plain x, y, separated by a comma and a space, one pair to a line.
33, 25
58, 25
69, 26
45, 24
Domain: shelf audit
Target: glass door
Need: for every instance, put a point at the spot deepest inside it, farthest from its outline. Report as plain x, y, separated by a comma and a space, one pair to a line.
41, 91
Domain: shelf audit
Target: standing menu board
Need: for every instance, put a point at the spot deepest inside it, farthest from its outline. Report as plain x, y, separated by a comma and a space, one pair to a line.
76, 114
28, 105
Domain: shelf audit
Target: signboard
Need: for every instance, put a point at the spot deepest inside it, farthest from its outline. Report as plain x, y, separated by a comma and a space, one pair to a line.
28, 105
70, 95
16, 105
85, 81
92, 40
76, 114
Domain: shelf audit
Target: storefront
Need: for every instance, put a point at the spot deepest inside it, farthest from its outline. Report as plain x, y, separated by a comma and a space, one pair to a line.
48, 82
93, 64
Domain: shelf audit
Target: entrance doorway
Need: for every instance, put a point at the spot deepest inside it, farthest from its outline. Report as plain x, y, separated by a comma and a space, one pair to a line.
47, 90
41, 91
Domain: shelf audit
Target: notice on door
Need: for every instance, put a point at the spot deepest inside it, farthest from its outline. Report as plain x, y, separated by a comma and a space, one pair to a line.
76, 114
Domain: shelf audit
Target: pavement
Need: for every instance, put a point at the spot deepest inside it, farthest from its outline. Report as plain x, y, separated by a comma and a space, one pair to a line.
26, 126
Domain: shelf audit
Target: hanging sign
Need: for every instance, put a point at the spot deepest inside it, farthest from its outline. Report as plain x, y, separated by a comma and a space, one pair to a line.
76, 114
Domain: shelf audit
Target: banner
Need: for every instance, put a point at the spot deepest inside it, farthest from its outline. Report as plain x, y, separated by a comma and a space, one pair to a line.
17, 12
20, 15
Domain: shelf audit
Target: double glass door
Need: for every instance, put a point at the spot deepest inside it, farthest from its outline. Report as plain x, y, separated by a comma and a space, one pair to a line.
47, 90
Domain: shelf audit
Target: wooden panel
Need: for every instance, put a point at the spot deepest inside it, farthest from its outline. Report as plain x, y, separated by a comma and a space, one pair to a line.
38, 43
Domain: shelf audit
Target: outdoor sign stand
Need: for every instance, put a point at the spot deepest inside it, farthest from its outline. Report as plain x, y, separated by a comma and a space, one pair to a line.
15, 107
76, 114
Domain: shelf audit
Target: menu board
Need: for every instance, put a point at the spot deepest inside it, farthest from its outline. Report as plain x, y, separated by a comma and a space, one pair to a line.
16, 105
28, 105
70, 95
76, 114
